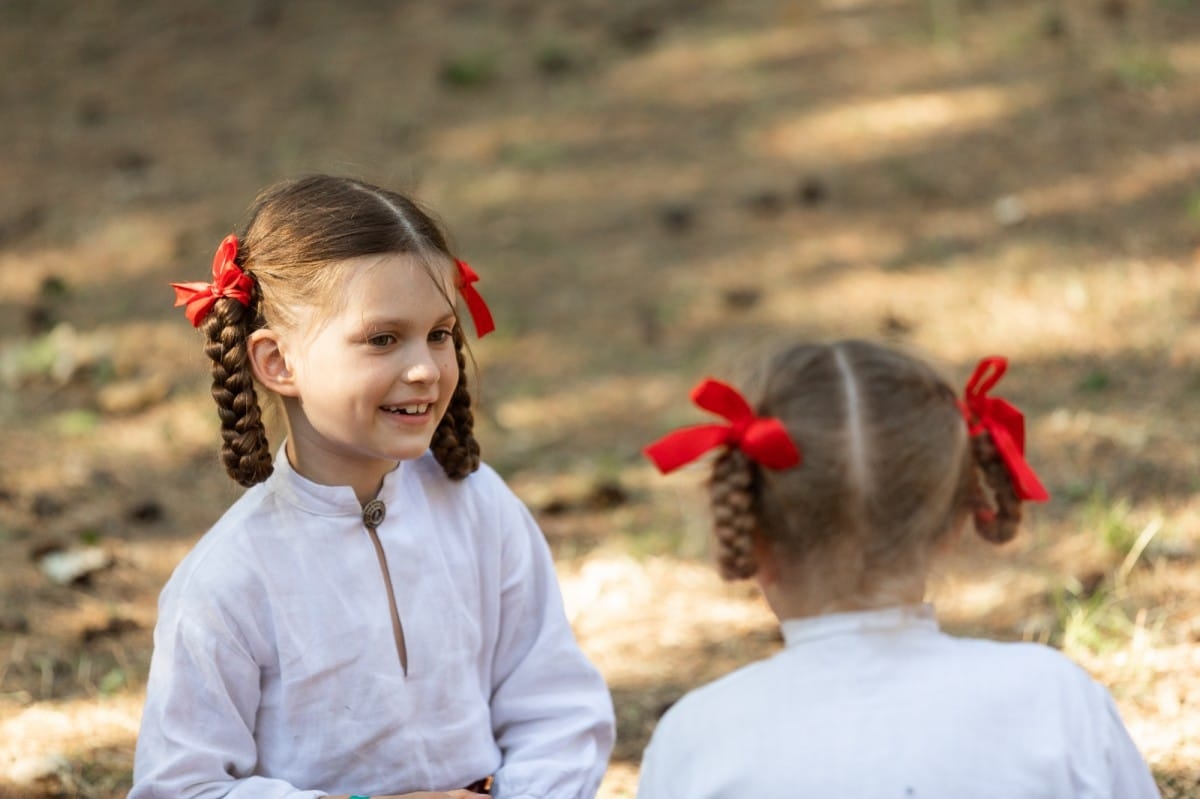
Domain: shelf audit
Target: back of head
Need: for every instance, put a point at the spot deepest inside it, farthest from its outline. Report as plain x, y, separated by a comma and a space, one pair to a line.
299, 235
887, 467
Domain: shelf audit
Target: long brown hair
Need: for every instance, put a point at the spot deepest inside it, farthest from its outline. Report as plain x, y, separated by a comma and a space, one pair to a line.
887, 462
297, 234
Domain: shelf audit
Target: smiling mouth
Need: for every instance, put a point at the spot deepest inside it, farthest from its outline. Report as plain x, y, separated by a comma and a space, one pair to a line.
408, 410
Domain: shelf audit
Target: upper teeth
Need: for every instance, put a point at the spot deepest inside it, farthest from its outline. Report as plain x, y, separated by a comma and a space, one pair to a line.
410, 408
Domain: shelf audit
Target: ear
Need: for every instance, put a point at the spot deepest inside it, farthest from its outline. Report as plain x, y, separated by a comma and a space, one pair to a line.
268, 358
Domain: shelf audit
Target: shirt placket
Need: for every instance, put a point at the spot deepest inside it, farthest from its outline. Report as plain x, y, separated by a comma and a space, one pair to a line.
373, 515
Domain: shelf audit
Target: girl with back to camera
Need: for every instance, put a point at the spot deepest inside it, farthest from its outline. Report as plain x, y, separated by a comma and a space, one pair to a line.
834, 491
378, 615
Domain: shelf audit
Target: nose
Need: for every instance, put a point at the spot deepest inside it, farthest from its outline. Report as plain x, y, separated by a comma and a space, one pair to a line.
422, 367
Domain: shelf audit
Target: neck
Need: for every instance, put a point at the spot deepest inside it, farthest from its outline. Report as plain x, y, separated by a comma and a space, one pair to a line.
365, 480
791, 602
827, 584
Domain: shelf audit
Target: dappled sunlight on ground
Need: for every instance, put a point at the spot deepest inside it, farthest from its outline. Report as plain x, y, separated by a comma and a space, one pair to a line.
43, 739
651, 195
862, 130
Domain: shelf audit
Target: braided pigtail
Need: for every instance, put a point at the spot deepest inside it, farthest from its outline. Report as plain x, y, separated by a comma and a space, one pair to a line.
732, 492
454, 445
245, 452
996, 520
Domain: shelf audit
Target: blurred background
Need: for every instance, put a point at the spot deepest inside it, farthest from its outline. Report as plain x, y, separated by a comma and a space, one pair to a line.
651, 191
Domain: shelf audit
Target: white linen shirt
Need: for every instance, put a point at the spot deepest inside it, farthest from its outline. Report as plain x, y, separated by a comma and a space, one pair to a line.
882, 705
276, 673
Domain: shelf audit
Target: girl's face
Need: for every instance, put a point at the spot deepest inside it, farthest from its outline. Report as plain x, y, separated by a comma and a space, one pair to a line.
366, 387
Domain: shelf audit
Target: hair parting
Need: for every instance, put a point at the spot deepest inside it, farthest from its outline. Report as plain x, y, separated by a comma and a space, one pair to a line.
889, 467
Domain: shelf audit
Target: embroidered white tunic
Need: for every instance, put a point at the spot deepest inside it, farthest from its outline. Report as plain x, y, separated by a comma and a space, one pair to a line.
882, 704
276, 670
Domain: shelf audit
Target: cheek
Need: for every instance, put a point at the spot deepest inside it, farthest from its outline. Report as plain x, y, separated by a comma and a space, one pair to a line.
448, 367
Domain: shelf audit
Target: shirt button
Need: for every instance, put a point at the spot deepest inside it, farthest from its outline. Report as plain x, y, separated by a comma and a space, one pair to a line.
374, 512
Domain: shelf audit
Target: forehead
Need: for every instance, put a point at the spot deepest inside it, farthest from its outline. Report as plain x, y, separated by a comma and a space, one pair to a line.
393, 277
380, 287
405, 265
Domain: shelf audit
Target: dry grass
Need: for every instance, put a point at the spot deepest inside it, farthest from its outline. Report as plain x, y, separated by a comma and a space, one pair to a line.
649, 195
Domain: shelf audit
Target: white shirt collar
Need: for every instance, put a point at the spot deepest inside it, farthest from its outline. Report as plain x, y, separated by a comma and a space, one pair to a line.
889, 620
326, 500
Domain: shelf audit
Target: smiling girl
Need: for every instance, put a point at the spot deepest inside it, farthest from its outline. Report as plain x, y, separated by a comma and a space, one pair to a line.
378, 615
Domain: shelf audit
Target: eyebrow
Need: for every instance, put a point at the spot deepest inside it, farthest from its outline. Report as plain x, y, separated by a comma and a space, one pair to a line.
383, 322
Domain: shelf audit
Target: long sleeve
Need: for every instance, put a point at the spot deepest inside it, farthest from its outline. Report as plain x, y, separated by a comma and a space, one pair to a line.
1131, 778
653, 779
197, 730
551, 711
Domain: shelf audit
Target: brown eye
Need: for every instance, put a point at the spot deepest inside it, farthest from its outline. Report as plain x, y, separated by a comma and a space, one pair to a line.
382, 340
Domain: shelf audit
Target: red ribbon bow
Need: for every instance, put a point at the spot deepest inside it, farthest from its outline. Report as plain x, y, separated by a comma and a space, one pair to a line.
1004, 423
228, 281
480, 315
764, 440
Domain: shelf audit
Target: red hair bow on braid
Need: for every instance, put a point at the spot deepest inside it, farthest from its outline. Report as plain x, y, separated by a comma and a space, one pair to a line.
480, 314
1004, 423
764, 440
228, 281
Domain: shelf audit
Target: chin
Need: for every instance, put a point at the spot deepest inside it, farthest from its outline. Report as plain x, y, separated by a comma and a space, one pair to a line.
409, 453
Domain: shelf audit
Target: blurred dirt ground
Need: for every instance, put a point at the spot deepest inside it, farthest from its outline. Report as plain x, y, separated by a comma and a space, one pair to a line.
651, 191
